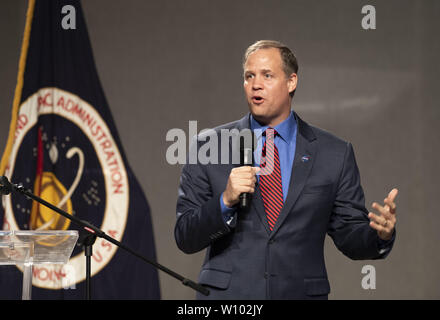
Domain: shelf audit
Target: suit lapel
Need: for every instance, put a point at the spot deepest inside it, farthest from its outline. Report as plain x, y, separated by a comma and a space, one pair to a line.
306, 146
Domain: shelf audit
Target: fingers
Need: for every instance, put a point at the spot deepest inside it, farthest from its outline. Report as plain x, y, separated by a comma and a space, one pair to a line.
384, 227
378, 220
385, 221
245, 171
376, 226
245, 182
385, 233
390, 205
243, 185
241, 180
393, 194
383, 211
389, 200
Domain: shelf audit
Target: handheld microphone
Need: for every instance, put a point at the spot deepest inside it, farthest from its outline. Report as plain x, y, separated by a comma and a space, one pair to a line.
246, 159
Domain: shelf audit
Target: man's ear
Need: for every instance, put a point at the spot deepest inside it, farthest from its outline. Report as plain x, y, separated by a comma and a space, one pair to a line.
292, 80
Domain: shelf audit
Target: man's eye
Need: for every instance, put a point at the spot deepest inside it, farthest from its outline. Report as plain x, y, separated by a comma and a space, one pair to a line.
267, 75
248, 76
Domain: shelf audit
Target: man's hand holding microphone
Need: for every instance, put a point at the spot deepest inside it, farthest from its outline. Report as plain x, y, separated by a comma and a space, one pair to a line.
241, 180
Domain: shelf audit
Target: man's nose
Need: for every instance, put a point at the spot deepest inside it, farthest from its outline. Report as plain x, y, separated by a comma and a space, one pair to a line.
257, 83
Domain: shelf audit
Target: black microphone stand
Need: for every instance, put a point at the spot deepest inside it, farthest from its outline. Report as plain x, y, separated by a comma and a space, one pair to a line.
87, 242
92, 233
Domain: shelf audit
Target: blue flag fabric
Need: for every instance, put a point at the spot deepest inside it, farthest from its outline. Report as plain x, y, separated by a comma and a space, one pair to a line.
64, 146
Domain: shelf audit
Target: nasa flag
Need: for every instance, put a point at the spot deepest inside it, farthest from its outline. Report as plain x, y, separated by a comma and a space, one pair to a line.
63, 145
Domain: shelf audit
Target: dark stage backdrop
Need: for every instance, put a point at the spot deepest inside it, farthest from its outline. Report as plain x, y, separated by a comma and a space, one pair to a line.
163, 63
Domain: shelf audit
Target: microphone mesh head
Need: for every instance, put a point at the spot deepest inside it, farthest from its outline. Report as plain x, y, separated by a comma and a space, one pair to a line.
247, 156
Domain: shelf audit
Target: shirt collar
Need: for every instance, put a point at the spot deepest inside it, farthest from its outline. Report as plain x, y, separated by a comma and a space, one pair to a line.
285, 129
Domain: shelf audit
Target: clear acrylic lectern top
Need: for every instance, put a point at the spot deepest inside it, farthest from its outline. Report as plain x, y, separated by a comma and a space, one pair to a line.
21, 247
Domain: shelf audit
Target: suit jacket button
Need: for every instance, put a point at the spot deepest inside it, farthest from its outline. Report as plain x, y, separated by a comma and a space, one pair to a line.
266, 275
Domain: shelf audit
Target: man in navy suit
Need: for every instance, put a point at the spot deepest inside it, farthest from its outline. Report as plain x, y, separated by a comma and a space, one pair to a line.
274, 248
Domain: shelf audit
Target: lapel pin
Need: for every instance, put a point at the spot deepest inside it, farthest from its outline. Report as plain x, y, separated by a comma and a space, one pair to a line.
305, 158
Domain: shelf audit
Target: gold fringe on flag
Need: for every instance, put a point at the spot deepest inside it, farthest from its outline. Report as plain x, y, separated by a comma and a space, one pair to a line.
19, 86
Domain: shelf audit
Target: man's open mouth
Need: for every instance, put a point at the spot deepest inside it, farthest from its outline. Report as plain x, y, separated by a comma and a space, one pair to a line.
257, 99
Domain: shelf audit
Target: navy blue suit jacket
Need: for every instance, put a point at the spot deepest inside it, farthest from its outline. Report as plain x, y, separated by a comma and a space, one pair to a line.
247, 261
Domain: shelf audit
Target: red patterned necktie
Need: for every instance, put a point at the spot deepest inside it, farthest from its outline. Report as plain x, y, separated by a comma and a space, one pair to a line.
270, 179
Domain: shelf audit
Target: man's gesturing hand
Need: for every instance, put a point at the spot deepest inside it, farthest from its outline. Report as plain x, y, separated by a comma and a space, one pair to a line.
241, 180
385, 221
